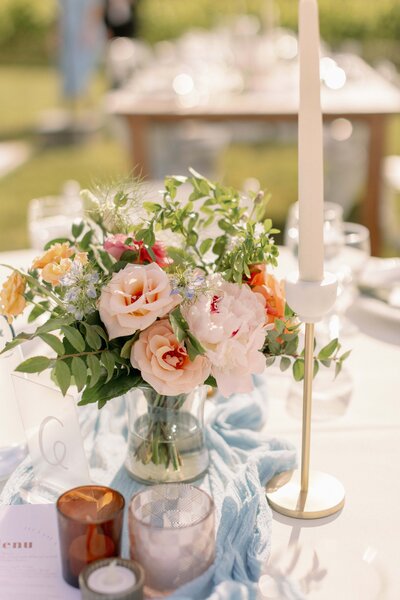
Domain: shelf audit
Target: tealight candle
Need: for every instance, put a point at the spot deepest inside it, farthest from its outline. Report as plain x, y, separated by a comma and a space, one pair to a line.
112, 579
90, 525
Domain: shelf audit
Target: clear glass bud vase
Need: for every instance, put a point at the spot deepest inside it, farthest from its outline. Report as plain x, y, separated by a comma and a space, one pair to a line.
166, 436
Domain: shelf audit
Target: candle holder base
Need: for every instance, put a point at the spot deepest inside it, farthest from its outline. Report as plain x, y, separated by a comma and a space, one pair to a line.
325, 497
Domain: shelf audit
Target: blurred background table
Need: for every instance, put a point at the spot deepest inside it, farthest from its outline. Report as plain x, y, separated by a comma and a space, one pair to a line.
351, 90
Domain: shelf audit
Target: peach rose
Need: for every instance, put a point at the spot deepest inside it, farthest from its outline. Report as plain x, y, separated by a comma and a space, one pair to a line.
272, 291
53, 255
164, 362
12, 301
54, 272
135, 297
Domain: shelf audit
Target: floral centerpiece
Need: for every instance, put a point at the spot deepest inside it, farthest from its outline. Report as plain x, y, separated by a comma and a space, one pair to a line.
160, 297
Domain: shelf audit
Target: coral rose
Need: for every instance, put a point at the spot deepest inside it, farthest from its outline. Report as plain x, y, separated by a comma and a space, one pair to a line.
272, 291
164, 362
230, 326
53, 255
12, 301
116, 246
135, 297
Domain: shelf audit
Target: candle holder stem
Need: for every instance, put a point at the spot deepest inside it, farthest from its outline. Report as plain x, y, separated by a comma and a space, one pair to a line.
307, 403
308, 495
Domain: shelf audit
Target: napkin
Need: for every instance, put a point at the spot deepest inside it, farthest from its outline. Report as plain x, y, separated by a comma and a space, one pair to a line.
242, 460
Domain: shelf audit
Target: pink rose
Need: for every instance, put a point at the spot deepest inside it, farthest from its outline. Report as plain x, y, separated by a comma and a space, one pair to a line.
135, 297
164, 362
230, 326
116, 246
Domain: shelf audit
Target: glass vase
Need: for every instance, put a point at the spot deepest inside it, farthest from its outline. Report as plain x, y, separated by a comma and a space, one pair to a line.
166, 436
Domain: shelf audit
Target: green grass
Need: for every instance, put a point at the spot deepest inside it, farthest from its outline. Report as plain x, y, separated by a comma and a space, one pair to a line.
97, 160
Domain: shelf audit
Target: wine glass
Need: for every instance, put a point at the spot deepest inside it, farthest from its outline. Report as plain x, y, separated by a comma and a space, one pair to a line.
333, 232
348, 266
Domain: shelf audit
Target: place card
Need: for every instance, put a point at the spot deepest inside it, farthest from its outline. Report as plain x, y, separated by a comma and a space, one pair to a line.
53, 437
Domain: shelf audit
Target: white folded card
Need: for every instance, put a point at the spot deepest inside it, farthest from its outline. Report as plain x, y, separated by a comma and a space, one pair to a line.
30, 564
53, 436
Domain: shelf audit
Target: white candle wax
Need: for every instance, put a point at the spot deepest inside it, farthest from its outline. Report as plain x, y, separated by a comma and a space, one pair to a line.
311, 179
111, 579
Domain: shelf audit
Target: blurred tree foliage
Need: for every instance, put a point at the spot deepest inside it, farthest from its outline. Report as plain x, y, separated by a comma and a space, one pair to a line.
28, 28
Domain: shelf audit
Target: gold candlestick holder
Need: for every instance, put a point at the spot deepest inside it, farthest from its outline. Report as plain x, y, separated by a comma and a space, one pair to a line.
309, 495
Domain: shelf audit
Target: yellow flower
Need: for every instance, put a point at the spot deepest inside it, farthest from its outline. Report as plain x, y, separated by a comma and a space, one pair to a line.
54, 254
81, 257
12, 301
53, 272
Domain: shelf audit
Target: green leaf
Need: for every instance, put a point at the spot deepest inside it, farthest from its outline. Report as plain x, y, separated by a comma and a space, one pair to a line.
211, 381
102, 392
338, 368
129, 256
95, 369
53, 324
315, 368
298, 369
85, 241
79, 371
53, 341
126, 348
326, 363
206, 245
77, 229
20, 339
195, 343
100, 331
280, 326
63, 376
74, 337
345, 355
36, 364
37, 310
285, 363
178, 323
269, 360
108, 360
328, 350
92, 337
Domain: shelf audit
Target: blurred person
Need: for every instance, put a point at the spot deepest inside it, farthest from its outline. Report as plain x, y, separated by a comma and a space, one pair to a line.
120, 18
82, 37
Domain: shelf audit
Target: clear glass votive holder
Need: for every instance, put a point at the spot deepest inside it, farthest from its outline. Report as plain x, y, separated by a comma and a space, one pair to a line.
172, 535
89, 524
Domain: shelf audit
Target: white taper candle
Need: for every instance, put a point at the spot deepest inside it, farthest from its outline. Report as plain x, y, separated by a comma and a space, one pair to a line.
311, 179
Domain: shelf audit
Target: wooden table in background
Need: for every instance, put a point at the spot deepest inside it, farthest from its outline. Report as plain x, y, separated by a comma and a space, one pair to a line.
367, 98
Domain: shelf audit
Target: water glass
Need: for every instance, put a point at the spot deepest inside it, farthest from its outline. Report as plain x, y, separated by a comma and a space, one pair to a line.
89, 525
172, 535
52, 217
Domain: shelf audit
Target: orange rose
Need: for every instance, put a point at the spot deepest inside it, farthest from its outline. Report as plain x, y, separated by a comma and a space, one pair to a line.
53, 255
12, 301
271, 289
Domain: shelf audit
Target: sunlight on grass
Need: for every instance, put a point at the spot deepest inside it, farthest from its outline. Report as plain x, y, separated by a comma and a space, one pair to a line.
97, 160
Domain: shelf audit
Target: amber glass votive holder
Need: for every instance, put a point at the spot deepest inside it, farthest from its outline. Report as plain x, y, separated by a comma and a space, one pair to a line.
89, 524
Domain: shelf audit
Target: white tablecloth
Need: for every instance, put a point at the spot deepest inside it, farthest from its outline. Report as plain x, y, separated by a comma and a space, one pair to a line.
353, 555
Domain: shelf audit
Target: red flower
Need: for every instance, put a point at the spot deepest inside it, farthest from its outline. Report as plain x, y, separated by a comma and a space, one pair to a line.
116, 246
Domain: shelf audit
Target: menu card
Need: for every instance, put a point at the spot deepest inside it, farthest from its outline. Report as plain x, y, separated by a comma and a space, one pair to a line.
30, 565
